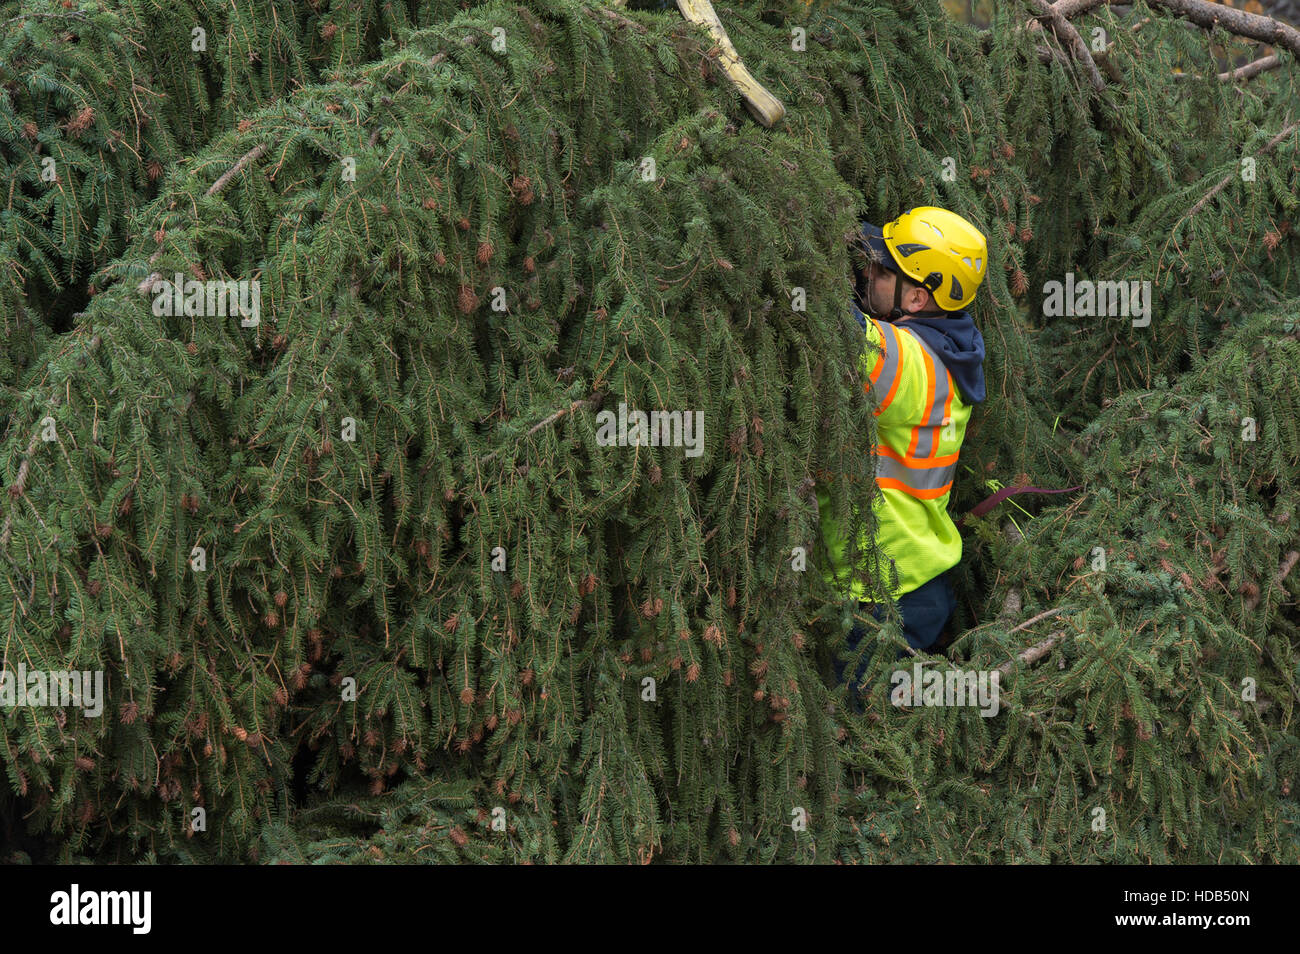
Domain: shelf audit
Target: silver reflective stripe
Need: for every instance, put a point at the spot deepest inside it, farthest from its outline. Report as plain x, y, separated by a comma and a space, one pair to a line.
927, 441
889, 369
918, 478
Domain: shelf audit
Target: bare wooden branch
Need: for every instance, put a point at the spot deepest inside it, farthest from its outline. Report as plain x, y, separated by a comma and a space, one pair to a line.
1048, 54
1030, 622
1066, 32
765, 107
251, 156
1252, 69
1207, 14
1253, 26
1201, 13
1072, 8
1011, 604
1067, 9
618, 17
1034, 653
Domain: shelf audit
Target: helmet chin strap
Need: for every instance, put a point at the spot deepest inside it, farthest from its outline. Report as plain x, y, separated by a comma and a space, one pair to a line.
897, 311
864, 297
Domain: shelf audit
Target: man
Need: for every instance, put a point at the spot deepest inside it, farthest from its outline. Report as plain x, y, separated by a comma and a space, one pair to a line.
921, 272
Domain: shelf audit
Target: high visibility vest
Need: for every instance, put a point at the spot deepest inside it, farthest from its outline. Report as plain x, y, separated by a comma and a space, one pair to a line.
920, 422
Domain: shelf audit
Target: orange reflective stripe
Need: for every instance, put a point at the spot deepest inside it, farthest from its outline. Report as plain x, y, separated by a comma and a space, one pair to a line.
891, 484
924, 482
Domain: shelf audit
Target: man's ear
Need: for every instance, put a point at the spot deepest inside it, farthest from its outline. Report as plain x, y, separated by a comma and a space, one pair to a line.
922, 302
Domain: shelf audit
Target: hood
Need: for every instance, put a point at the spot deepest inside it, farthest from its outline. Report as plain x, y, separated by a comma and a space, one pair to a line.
957, 342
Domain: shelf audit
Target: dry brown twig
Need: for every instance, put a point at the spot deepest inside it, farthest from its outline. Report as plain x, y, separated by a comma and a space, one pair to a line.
1288, 564
1034, 653
251, 156
1253, 26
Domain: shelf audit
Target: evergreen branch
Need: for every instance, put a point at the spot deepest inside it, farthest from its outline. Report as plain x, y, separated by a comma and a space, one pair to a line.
1034, 653
1223, 183
224, 180
1046, 54
35, 15
1063, 28
608, 84
547, 421
1288, 564
1012, 606
19, 486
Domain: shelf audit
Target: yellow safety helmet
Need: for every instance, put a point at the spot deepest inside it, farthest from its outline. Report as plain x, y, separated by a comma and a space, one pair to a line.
940, 251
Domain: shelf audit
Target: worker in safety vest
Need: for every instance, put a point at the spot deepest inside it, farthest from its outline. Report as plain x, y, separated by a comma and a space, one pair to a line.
918, 275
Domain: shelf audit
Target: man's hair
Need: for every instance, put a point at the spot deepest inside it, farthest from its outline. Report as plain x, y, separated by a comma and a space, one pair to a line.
865, 261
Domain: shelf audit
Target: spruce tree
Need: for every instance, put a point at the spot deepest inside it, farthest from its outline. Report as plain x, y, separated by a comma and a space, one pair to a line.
366, 583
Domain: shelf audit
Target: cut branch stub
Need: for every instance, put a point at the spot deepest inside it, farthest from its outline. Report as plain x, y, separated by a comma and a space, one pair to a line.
765, 107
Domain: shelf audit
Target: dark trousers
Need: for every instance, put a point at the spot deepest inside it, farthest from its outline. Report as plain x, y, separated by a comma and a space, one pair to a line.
925, 611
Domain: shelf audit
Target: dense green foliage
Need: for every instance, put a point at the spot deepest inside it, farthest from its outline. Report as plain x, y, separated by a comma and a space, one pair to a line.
463, 256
